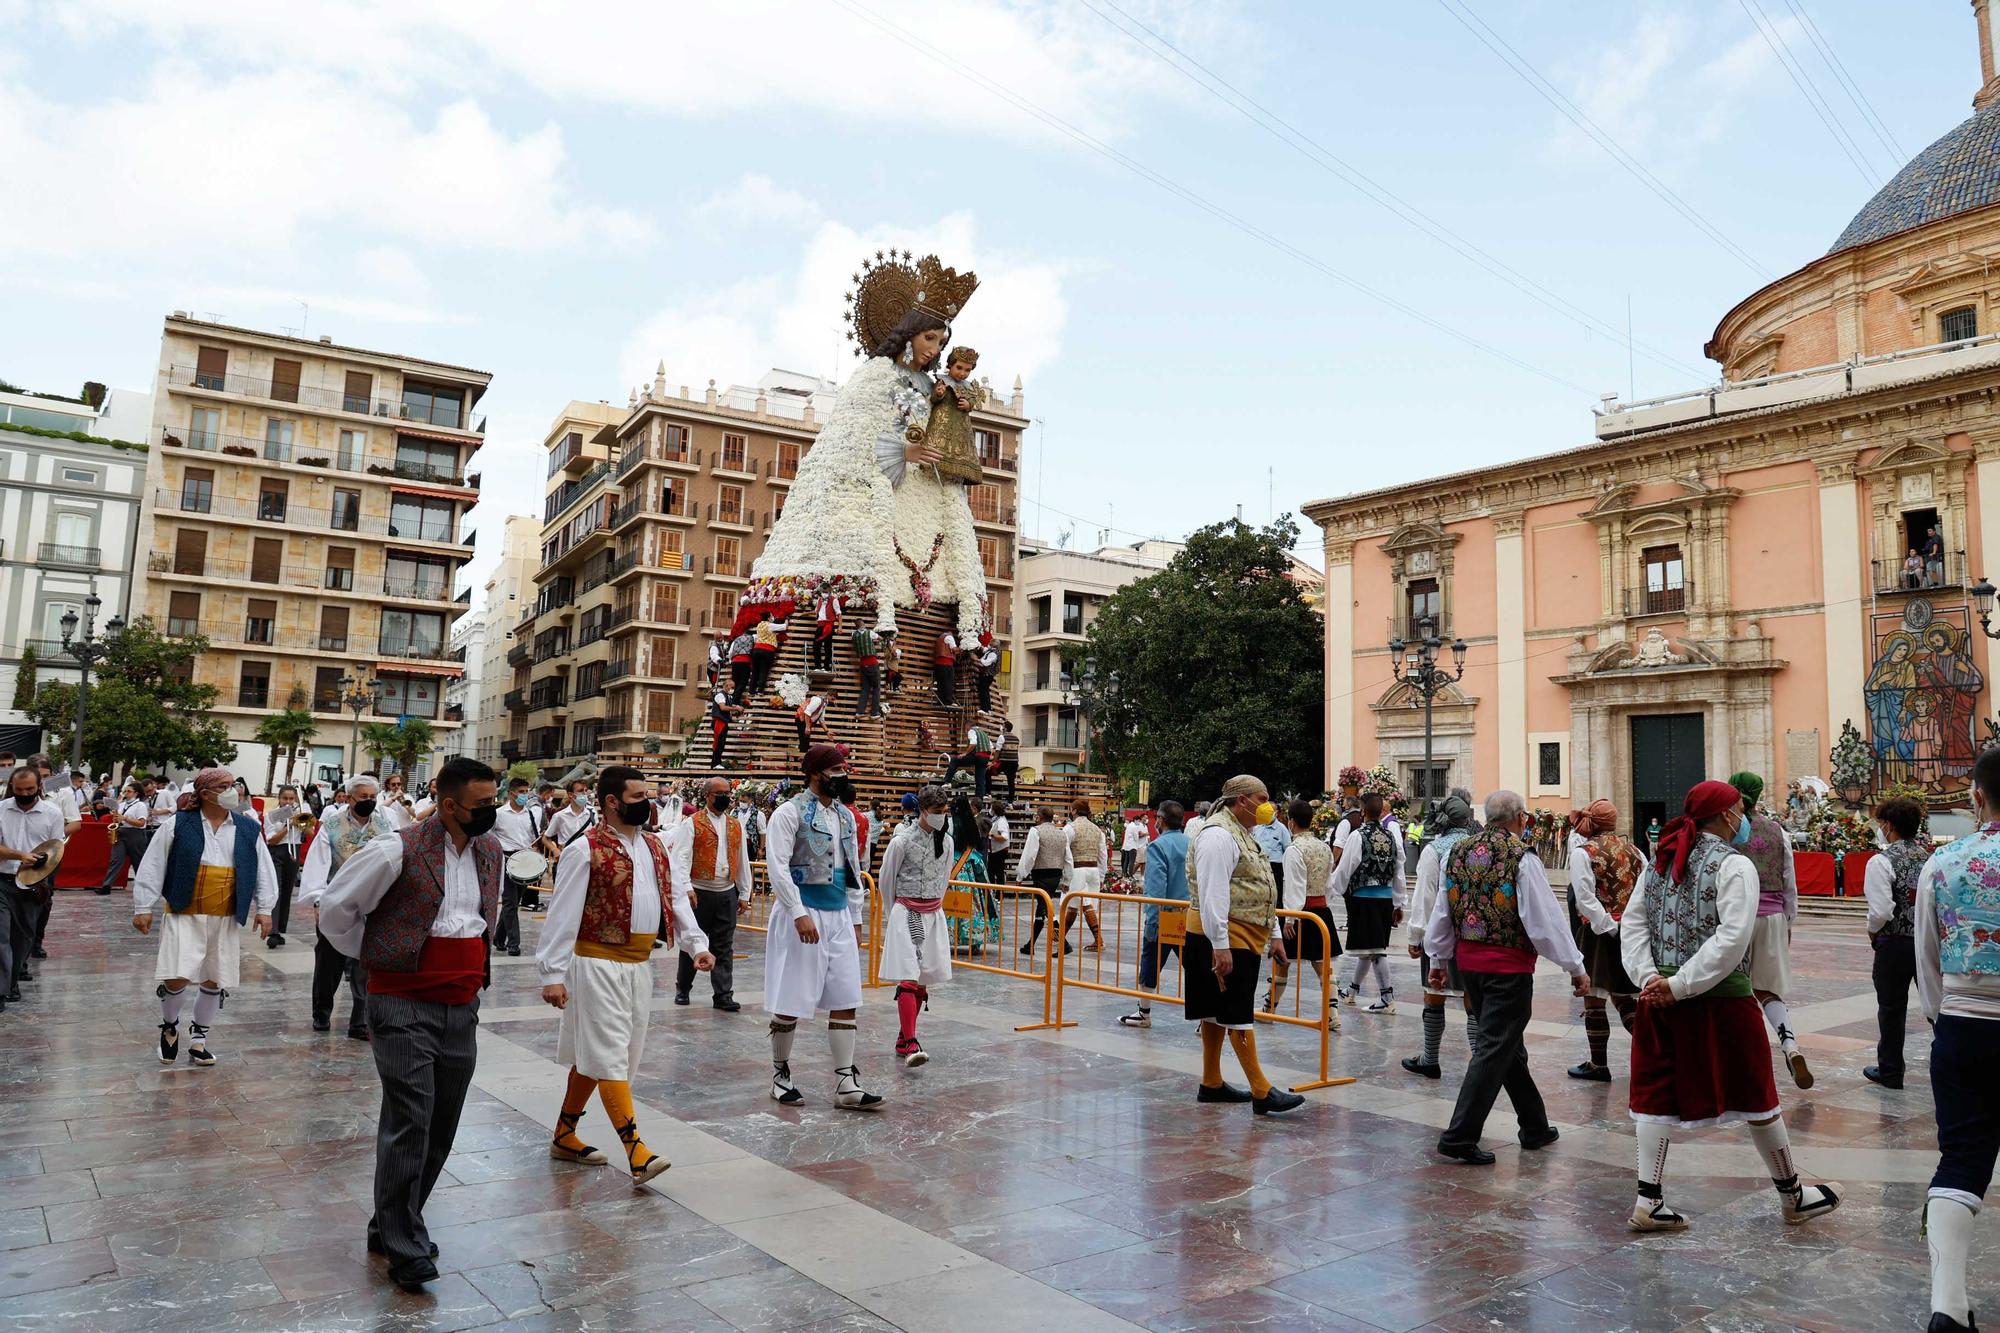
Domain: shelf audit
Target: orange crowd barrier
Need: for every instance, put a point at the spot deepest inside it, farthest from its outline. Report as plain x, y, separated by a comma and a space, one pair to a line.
962, 904
756, 916
1125, 913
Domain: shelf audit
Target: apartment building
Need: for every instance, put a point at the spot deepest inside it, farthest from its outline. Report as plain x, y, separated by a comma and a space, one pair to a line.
509, 590
653, 522
304, 512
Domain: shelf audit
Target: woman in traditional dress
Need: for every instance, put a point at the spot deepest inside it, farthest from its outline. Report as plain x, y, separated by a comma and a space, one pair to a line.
982, 928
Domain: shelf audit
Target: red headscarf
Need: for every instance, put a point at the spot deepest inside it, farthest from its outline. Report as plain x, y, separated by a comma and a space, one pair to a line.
207, 782
1705, 800
1600, 816
820, 758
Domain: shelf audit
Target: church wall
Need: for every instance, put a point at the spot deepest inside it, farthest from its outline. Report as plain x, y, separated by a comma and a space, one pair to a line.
1774, 538
1798, 693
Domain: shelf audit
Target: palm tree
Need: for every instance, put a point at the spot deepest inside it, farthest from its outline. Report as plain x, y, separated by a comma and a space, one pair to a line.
413, 743
287, 730
379, 740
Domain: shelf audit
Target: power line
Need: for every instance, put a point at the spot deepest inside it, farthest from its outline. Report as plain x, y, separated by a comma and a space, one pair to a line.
1549, 93
1847, 82
1324, 158
1189, 196
1803, 82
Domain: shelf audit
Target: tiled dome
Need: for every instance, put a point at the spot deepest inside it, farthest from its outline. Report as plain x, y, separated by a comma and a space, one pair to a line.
1958, 173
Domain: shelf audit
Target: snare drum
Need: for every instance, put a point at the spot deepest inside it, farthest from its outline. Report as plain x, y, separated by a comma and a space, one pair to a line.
527, 867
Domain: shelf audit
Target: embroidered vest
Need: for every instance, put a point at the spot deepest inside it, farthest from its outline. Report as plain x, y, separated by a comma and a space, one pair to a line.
1615, 864
350, 835
1048, 848
1319, 863
922, 873
1906, 866
184, 861
1479, 884
1253, 889
1968, 904
1766, 850
1682, 917
1378, 859
982, 741
1086, 842
607, 900
812, 848
706, 845
394, 937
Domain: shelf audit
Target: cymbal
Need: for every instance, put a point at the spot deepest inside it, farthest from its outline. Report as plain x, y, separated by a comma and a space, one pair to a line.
53, 850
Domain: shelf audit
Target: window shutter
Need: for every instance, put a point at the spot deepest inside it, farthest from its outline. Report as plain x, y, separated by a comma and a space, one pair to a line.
285, 381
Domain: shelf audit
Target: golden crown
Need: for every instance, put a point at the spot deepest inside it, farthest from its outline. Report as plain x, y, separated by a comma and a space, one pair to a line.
890, 286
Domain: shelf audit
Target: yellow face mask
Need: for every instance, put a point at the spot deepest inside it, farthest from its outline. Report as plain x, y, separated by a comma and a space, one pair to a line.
1267, 813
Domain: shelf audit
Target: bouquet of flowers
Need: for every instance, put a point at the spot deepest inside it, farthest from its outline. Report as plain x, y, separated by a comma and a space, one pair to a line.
1326, 815
1547, 830
1840, 832
1911, 792
1351, 776
792, 689
1116, 883
753, 791
1383, 783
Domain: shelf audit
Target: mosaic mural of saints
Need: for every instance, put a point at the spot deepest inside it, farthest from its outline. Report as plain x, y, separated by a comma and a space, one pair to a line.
1922, 694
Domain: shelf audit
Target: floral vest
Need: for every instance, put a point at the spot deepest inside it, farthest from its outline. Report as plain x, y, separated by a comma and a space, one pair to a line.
1086, 842
1319, 863
1766, 850
1682, 917
1048, 848
1968, 904
396, 931
1907, 858
607, 901
1615, 865
1377, 850
350, 835
1253, 889
1479, 880
704, 870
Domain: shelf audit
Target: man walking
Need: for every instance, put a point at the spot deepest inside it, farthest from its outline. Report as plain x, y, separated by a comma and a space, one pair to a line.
519, 827
711, 851
1133, 845
1890, 885
1166, 877
343, 831
1046, 860
1496, 914
868, 661
283, 840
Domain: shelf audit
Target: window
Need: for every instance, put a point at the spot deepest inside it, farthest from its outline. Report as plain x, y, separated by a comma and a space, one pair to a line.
326, 690
190, 551
347, 510
660, 655
412, 633
666, 603
253, 689
353, 449
260, 621
1038, 668
735, 453
52, 615
590, 680
1039, 611
728, 555
1549, 751
778, 504
989, 556
211, 364
439, 406
360, 388
729, 508
82, 476
73, 532
333, 629
672, 555
1072, 613
197, 490
267, 557
1429, 784
1066, 733
421, 517
1665, 583
408, 696
984, 501
205, 429
988, 443
1041, 728
184, 613
1958, 325
788, 459
722, 609
284, 380
421, 460
674, 444
1422, 601
583, 736
271, 496
659, 715
278, 439
1549, 763
408, 576
340, 568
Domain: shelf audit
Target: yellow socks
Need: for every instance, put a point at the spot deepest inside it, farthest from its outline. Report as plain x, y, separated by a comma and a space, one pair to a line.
1211, 1056
566, 1146
617, 1099
1245, 1044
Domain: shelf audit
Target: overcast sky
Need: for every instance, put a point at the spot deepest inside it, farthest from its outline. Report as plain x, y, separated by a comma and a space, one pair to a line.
1205, 314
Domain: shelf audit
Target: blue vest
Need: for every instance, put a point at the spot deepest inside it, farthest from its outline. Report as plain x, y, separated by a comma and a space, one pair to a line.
812, 854
184, 860
1968, 903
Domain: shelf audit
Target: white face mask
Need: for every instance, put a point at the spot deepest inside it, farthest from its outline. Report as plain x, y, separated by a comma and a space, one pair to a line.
934, 821
227, 798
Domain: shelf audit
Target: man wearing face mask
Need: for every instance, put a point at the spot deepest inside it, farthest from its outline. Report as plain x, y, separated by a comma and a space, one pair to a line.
711, 851
1699, 1053
211, 866
345, 827
520, 828
26, 822
569, 823
416, 909
916, 944
616, 892
811, 960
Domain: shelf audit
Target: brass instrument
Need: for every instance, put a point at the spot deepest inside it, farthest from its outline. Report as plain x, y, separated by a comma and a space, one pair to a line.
304, 822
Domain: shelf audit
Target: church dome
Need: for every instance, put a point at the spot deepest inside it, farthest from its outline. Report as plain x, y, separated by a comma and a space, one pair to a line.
1957, 174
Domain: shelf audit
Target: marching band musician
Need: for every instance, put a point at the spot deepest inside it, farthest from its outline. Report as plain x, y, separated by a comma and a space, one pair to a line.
520, 829
342, 832
282, 836
133, 821
396, 803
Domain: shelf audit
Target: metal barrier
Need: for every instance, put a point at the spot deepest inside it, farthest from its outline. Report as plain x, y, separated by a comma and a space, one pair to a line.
961, 903
1172, 932
757, 917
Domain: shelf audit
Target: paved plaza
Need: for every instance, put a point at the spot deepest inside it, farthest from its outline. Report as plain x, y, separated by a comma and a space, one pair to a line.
1044, 1180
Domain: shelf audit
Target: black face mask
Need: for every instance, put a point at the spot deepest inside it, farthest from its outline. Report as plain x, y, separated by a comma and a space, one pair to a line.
718, 803
840, 788
27, 802
478, 821
635, 812
362, 809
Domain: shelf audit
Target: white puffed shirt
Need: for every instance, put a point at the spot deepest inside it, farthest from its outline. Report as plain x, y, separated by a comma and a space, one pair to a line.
1535, 902
218, 848
1583, 884
680, 850
558, 945
1736, 912
365, 877
779, 835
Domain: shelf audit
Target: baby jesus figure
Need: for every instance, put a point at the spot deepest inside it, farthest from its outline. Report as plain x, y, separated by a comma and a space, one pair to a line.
953, 401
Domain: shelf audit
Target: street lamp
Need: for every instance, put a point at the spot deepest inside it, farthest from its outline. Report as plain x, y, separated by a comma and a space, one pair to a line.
1982, 597
1418, 665
359, 696
87, 649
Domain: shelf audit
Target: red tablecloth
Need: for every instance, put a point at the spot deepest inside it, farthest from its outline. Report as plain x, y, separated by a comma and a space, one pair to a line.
1853, 867
86, 856
1815, 872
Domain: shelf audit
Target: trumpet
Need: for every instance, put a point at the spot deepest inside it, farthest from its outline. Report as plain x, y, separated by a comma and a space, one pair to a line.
304, 822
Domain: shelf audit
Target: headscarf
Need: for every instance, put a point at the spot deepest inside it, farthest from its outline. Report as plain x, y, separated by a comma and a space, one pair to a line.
206, 782
1704, 801
820, 758
1748, 784
1243, 784
1600, 816
1455, 811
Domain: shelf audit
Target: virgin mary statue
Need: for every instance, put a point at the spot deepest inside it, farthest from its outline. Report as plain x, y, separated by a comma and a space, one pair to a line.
869, 519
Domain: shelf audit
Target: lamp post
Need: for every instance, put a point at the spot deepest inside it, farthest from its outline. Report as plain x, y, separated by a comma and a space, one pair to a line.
1982, 597
87, 650
1419, 667
359, 696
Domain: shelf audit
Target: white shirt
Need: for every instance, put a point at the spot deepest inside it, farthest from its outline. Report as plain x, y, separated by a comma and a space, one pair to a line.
1878, 886
778, 837
1295, 876
318, 869
399, 815
1736, 909
1135, 835
1193, 828
218, 848
367, 876
132, 809
1000, 835
163, 805
1963, 994
558, 945
66, 801
1430, 874
1032, 851
566, 823
1544, 922
277, 821
1350, 863
1215, 858
25, 830
1583, 884
680, 851
517, 828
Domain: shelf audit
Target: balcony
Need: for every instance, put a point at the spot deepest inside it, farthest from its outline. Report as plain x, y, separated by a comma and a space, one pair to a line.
419, 589
55, 555
253, 451
254, 696
443, 413
570, 493
1402, 627
333, 643
567, 455
433, 650
617, 670
672, 450
716, 568
1658, 601
730, 516
514, 701
510, 750
546, 694
1948, 578
201, 501
521, 653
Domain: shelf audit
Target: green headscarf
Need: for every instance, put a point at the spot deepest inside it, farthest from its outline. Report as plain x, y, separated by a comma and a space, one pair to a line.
1748, 785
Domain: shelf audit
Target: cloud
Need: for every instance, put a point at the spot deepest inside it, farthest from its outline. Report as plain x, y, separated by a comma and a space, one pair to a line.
794, 320
755, 200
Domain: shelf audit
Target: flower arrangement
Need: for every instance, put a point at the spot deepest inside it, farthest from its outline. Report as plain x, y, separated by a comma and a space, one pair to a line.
1840, 832
1383, 783
1852, 760
1326, 816
1351, 776
1115, 883
753, 791
792, 689
1546, 830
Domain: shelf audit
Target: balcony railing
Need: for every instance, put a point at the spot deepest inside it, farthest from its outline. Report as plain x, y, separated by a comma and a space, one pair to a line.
429, 590
635, 452
333, 643
550, 698
1948, 575
520, 654
253, 697
328, 519
252, 449
732, 514
327, 399
1658, 601
514, 700
617, 670
69, 557
431, 649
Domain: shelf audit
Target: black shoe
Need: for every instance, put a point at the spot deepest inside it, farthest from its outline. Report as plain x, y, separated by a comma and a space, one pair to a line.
513, 953
375, 1245
1029, 947
322, 1024
104, 893
14, 996
1228, 1092
26, 975
38, 952
1944, 1323
357, 1034
727, 1006
1539, 1138
1276, 1102
680, 997
274, 941
1416, 1066
1590, 1073
1874, 1074
1470, 1153
412, 1276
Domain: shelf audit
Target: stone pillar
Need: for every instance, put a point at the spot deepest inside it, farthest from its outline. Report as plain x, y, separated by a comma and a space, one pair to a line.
1510, 605
1842, 594
1984, 563
1339, 657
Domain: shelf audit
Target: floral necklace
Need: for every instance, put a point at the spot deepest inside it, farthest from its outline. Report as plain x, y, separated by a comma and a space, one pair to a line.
920, 579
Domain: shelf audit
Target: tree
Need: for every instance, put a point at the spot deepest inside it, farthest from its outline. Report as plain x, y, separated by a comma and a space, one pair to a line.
408, 742
144, 707
378, 742
24, 681
287, 730
1218, 669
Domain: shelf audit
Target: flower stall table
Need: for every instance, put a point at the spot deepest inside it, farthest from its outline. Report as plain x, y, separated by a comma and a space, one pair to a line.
1815, 871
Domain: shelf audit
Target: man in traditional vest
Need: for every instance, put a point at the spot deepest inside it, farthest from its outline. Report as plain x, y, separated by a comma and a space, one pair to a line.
1369, 875
868, 661
826, 623
1306, 876
1497, 914
916, 941
977, 760
944, 668
1604, 867
209, 863
1045, 863
711, 851
1454, 825
1957, 931
345, 829
1699, 1054
615, 894
1770, 851
1088, 852
1890, 886
811, 958
1229, 930
417, 910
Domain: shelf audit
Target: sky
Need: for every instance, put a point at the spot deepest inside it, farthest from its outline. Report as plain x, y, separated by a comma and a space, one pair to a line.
1241, 255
